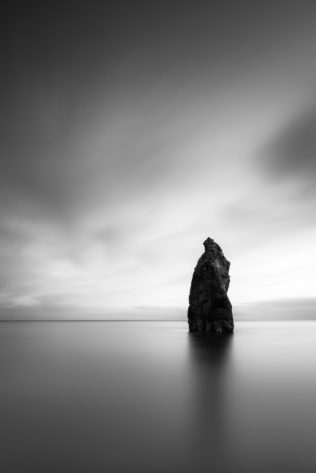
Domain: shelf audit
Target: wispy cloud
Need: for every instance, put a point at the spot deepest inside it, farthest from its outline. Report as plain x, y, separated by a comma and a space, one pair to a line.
134, 134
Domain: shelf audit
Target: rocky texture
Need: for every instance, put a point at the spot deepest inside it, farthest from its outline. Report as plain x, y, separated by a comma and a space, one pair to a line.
210, 309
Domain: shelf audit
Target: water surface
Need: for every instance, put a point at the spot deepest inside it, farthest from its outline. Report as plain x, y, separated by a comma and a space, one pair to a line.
149, 397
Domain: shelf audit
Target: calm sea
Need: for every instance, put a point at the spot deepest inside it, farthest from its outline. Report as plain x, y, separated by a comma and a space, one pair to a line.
149, 397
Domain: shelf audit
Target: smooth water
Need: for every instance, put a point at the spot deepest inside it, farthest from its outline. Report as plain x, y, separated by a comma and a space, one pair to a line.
150, 397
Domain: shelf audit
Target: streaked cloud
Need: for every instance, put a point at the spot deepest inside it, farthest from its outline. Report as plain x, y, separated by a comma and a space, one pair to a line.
291, 155
134, 134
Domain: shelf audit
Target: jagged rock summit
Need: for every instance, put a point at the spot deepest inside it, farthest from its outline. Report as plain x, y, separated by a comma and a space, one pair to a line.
210, 309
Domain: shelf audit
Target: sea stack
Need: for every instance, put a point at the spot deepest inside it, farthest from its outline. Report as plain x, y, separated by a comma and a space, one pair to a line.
210, 309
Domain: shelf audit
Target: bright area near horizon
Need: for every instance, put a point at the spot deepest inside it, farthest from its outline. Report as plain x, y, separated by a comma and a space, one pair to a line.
138, 132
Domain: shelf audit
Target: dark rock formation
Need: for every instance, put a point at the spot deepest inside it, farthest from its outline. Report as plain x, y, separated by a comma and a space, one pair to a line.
210, 309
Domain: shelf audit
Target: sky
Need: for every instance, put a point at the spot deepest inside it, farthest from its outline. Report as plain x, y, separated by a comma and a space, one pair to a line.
131, 131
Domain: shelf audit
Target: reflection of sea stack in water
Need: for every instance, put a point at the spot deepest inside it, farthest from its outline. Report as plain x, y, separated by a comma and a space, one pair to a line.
210, 309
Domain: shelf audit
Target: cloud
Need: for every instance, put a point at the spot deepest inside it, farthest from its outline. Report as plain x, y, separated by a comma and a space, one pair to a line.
291, 154
279, 309
130, 135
